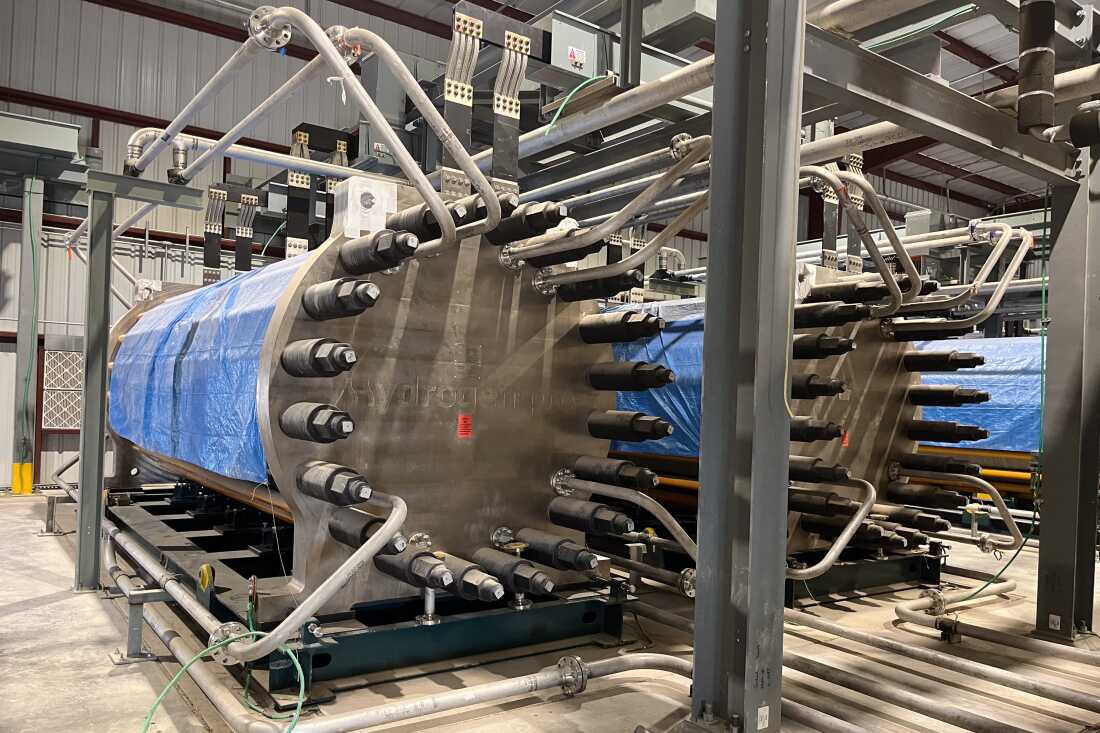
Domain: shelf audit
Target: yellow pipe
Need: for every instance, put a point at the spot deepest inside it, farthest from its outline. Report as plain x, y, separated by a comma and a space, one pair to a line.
938, 450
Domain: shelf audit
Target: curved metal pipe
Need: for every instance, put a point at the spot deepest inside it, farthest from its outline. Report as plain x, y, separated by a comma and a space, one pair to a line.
638, 499
583, 182
860, 224
987, 542
319, 40
926, 304
910, 611
815, 719
215, 84
375, 43
636, 259
1027, 241
888, 228
248, 651
557, 241
845, 536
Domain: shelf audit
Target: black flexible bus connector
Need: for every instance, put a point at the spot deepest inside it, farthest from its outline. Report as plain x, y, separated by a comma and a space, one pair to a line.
815, 470
333, 483
353, 527
515, 573
835, 313
418, 568
945, 464
316, 422
528, 220
601, 288
420, 221
945, 395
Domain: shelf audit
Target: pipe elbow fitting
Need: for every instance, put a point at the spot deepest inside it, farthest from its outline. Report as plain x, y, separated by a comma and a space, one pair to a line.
265, 31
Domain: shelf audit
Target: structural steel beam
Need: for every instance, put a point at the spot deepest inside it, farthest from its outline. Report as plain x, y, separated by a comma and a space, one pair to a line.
1071, 416
93, 418
25, 417
743, 458
963, 174
839, 69
976, 57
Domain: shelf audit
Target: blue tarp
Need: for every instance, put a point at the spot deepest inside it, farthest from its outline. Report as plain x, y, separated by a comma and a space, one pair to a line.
184, 380
1011, 375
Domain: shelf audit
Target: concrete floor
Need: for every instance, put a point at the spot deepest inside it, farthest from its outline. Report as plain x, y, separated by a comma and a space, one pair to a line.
55, 674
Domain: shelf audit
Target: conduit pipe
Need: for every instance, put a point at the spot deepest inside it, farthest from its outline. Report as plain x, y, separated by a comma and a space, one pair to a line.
855, 214
138, 160
1027, 240
986, 672
1069, 86
849, 16
583, 182
635, 260
954, 301
874, 688
572, 485
357, 37
658, 211
640, 99
629, 187
557, 241
815, 719
842, 540
987, 542
289, 16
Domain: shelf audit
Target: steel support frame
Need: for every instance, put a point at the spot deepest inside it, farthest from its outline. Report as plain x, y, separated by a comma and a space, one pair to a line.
93, 418
841, 71
745, 432
1071, 419
25, 416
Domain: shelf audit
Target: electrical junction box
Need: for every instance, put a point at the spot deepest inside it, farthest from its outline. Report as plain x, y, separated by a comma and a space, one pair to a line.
362, 205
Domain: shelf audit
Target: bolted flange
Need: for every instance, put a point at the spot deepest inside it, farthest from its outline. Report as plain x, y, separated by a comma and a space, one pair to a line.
686, 583
220, 634
574, 675
268, 35
559, 482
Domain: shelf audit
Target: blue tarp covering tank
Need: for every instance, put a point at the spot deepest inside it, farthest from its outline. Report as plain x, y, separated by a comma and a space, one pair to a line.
184, 379
1011, 374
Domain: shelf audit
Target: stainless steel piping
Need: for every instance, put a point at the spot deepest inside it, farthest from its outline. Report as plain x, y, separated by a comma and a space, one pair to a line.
636, 259
874, 688
658, 211
899, 251
248, 651
556, 241
849, 16
953, 301
639, 499
987, 543
627, 187
583, 182
817, 720
1027, 241
855, 214
986, 672
845, 536
910, 611
642, 98
289, 16
373, 42
216, 83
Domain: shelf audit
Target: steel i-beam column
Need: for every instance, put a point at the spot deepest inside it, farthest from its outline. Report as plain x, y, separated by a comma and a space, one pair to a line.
745, 434
1071, 421
101, 208
24, 450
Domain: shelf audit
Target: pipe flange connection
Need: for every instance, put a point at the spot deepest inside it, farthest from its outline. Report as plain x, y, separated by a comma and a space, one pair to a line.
680, 145
894, 471
686, 583
559, 482
420, 540
509, 260
270, 36
986, 544
350, 53
229, 630
502, 536
939, 603
574, 675
541, 284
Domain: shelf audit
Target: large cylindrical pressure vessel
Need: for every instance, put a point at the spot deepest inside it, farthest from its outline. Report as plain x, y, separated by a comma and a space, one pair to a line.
447, 381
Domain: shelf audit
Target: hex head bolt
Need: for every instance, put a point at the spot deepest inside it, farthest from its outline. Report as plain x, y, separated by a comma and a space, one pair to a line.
588, 516
320, 357
617, 328
339, 298
557, 552
333, 483
316, 422
379, 251
626, 425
